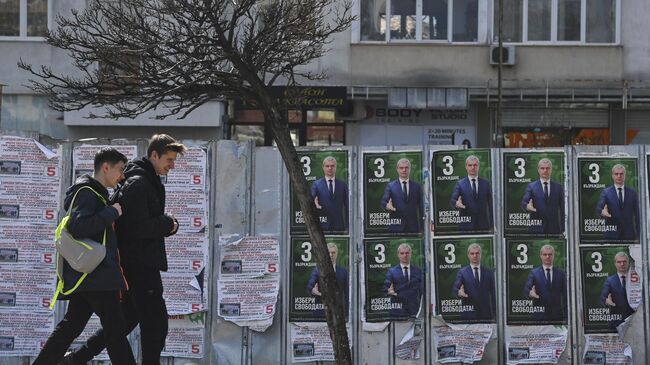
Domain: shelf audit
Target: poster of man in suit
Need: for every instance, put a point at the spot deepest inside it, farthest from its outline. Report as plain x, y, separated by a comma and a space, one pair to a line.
464, 278
609, 201
327, 173
534, 191
461, 182
394, 279
393, 193
536, 282
611, 286
305, 292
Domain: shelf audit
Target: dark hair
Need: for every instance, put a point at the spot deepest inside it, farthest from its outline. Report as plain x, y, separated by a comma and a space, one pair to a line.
163, 143
110, 155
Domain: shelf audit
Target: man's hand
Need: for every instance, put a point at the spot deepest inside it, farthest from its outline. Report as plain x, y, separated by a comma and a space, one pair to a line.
318, 206
314, 290
391, 290
609, 302
459, 203
174, 227
390, 206
118, 207
533, 293
605, 212
530, 207
461, 292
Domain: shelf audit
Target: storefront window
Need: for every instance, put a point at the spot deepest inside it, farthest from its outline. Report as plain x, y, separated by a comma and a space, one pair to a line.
330, 135
555, 137
321, 116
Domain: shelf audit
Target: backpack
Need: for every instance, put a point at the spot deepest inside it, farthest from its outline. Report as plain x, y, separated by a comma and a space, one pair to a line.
83, 255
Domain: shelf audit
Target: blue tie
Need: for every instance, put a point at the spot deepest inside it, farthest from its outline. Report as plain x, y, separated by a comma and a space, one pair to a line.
331, 189
404, 191
620, 197
474, 191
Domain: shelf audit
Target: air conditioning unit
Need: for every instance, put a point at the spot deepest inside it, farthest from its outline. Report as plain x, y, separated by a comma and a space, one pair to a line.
508, 53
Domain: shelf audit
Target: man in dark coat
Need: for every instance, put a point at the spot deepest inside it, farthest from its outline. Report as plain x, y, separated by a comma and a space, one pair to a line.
141, 234
97, 292
331, 197
614, 292
313, 286
474, 284
544, 199
403, 200
546, 286
404, 284
619, 205
473, 197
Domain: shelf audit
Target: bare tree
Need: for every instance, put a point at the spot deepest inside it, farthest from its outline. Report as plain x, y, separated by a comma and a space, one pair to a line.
170, 57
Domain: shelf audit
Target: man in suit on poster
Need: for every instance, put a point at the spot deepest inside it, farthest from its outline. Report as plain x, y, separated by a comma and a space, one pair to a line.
614, 293
544, 200
473, 196
313, 286
475, 285
331, 198
404, 283
403, 199
619, 205
546, 286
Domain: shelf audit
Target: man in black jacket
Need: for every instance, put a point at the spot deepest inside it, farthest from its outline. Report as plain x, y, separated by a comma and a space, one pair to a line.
98, 292
141, 235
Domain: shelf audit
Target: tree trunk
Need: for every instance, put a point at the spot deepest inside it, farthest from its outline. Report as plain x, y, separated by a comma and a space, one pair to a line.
332, 296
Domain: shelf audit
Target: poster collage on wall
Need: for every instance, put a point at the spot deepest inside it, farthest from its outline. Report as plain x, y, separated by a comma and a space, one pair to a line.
458, 189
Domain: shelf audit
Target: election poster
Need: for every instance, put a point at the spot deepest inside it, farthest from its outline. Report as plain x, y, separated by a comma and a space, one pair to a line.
605, 350
394, 278
465, 280
461, 345
328, 175
186, 336
535, 345
305, 291
249, 280
461, 182
250, 256
24, 332
28, 200
393, 195
611, 286
609, 199
311, 342
25, 243
534, 192
27, 157
537, 282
